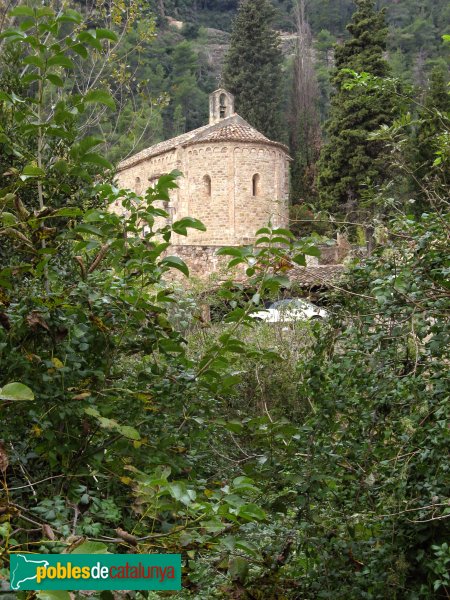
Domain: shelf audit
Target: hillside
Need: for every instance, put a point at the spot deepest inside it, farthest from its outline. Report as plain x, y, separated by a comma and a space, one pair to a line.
184, 63
416, 26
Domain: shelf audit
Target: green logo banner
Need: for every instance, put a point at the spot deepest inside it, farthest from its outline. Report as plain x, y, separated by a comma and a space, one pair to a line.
95, 572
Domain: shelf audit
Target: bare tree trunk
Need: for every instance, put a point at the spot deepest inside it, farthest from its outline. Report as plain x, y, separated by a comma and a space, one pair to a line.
305, 133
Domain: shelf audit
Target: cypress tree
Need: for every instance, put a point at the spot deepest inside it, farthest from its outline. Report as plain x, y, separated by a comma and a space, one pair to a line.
252, 70
349, 159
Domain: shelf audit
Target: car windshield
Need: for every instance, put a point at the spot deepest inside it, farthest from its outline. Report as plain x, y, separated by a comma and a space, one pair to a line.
291, 303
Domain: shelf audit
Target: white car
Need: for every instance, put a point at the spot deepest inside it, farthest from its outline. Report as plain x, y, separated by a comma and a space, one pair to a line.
289, 311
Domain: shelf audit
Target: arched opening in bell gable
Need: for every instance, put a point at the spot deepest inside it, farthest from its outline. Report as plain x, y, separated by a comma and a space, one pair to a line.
223, 106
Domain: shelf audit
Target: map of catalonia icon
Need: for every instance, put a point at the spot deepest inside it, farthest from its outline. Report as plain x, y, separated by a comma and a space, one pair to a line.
25, 570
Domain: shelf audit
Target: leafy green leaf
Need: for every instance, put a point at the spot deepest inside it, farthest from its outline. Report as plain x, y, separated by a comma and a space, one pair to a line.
16, 392
8, 219
100, 97
34, 60
230, 381
299, 259
53, 595
80, 50
230, 251
95, 159
71, 211
247, 547
88, 143
32, 171
45, 11
129, 432
235, 426
55, 79
60, 60
88, 38
251, 512
22, 11
70, 16
90, 548
238, 568
186, 223
83, 228
106, 34
312, 251
175, 263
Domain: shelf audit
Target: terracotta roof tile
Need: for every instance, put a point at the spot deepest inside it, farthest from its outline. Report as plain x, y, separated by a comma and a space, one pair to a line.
234, 132
319, 276
160, 148
323, 276
231, 129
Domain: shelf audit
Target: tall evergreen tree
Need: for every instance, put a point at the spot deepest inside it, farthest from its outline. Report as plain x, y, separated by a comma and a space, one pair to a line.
252, 70
349, 159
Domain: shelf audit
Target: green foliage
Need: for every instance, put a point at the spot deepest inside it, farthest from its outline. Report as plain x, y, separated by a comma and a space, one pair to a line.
310, 463
85, 328
252, 70
16, 391
381, 398
349, 160
433, 116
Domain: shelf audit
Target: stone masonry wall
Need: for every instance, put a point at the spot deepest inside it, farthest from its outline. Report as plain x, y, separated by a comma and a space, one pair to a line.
231, 214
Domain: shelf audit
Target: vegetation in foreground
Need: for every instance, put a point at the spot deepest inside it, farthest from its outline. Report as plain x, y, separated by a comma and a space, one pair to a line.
317, 470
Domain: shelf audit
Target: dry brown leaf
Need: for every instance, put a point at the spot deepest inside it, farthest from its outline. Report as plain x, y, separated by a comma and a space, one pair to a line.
34, 319
48, 531
81, 396
4, 321
4, 462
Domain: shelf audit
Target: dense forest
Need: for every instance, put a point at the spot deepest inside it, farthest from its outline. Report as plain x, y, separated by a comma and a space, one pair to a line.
162, 74
298, 462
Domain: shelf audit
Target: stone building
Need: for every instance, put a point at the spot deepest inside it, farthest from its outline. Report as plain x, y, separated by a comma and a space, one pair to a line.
234, 180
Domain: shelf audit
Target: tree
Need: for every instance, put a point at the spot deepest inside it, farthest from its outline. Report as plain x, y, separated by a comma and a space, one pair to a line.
304, 121
188, 108
436, 109
349, 159
252, 70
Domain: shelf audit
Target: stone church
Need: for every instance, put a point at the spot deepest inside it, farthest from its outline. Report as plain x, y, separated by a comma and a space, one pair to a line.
234, 180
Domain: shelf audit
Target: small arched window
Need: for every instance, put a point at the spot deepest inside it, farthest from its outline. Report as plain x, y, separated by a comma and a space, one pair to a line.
256, 184
138, 185
207, 185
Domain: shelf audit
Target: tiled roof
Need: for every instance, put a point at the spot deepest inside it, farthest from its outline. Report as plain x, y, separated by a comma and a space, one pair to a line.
239, 132
231, 129
161, 147
324, 276
318, 276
